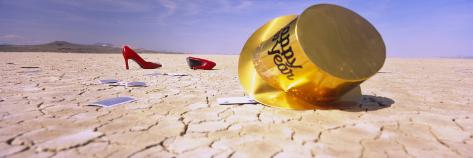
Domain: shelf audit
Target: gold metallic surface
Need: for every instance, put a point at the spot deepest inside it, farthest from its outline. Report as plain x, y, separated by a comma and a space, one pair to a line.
341, 42
278, 69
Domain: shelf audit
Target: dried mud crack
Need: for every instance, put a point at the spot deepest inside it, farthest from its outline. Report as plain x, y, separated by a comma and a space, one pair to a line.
45, 113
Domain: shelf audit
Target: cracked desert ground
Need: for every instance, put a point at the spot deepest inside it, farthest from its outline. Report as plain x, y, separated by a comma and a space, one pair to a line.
412, 108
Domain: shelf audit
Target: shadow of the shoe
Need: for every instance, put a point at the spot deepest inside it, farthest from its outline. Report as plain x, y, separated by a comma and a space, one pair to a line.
206, 70
369, 103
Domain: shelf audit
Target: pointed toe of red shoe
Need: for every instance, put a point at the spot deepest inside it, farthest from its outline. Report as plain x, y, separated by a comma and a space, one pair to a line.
152, 65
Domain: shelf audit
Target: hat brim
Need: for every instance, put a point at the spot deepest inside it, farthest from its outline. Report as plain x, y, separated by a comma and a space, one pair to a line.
262, 92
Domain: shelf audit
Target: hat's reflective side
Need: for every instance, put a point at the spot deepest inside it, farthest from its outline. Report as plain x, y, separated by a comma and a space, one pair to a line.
258, 88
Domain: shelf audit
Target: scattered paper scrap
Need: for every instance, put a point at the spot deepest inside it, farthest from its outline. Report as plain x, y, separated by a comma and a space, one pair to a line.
177, 74
29, 67
108, 81
113, 101
136, 84
129, 84
118, 84
29, 71
167, 74
236, 100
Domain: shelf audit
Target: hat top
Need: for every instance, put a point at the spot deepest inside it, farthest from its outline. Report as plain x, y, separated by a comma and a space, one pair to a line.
340, 42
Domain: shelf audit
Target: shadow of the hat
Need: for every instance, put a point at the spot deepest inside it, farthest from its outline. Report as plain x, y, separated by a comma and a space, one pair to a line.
368, 103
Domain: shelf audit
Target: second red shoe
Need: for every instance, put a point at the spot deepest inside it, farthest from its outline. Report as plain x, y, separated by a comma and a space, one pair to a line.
128, 53
198, 63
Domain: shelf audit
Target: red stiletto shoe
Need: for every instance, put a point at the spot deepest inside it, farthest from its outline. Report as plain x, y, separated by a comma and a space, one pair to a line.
198, 63
128, 53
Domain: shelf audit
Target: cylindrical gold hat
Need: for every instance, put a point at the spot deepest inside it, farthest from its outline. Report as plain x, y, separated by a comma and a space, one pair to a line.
314, 60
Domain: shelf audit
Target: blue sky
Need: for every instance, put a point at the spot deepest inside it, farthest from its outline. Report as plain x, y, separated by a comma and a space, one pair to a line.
409, 28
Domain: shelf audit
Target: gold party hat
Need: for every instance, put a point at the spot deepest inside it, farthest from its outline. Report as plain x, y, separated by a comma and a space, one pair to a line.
311, 61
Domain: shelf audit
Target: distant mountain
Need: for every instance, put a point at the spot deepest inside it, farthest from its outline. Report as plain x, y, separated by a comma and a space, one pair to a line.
103, 44
465, 57
66, 47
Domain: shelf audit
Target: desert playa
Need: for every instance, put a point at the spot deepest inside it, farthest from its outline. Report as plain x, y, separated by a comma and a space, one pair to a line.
411, 108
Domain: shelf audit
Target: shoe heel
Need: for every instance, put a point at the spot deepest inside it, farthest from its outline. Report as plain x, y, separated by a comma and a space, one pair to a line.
126, 64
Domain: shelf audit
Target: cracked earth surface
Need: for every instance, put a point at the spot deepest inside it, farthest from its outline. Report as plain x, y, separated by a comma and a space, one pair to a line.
412, 108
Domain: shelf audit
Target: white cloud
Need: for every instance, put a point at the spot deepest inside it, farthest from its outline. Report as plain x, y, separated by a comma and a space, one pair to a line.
244, 5
11, 36
109, 5
228, 6
170, 5
194, 7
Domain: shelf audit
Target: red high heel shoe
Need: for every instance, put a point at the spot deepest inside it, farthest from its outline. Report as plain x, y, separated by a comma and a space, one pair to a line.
198, 63
128, 53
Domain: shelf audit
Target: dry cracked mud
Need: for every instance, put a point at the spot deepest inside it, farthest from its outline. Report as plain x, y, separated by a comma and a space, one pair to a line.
411, 108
